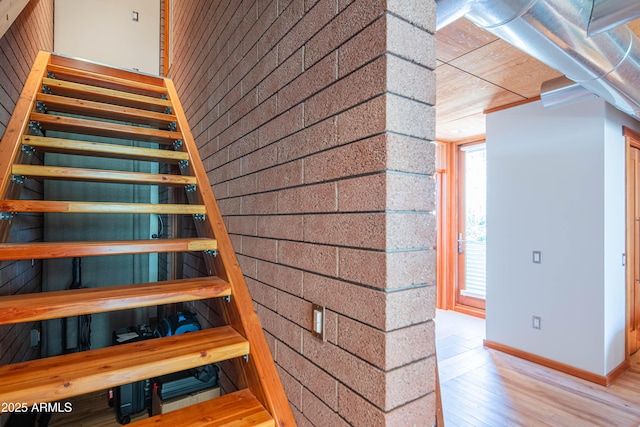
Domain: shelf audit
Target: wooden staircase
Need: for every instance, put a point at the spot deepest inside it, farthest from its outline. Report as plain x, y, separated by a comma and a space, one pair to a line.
75, 96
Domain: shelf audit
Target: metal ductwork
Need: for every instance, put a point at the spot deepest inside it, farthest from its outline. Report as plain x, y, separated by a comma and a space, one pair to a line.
555, 32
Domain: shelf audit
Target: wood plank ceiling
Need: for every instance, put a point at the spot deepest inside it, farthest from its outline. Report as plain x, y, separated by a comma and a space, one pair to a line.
477, 71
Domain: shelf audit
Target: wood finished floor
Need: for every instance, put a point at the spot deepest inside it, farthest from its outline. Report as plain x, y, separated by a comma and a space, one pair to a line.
486, 388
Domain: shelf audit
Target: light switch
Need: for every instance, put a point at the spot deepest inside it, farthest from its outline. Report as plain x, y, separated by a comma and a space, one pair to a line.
317, 321
537, 257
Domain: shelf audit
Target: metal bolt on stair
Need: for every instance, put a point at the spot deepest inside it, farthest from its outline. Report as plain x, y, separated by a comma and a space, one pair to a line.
46, 89
28, 150
198, 217
168, 110
164, 96
17, 179
51, 75
227, 298
173, 126
35, 127
190, 188
41, 107
177, 144
6, 216
183, 164
213, 253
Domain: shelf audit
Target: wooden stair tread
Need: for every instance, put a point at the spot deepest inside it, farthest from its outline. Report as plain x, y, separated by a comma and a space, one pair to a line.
99, 175
102, 80
238, 409
109, 96
94, 67
107, 129
76, 302
51, 206
43, 250
98, 149
61, 377
83, 107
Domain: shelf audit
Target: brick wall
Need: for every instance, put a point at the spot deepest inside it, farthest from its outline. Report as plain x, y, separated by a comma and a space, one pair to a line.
314, 120
32, 31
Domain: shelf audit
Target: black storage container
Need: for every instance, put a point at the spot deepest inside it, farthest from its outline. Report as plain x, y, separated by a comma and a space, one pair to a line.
133, 398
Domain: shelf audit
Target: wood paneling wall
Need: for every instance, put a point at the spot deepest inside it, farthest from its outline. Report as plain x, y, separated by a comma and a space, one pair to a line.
32, 31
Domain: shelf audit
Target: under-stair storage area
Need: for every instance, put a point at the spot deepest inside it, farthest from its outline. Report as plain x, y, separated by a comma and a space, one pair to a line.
132, 235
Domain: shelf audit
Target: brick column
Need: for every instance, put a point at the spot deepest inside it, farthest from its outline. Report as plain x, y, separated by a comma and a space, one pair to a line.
314, 120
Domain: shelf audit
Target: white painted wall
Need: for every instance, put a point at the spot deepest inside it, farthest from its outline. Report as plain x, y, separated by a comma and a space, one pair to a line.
102, 31
556, 184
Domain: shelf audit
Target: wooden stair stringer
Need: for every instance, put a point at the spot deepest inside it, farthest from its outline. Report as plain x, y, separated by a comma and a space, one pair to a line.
259, 373
10, 148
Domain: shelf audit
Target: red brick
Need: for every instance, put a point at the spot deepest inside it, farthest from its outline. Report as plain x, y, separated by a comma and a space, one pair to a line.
230, 206
283, 125
245, 145
292, 388
260, 159
409, 383
259, 204
410, 268
350, 21
256, 247
410, 193
410, 307
246, 184
411, 118
240, 109
410, 231
246, 225
410, 42
352, 198
360, 157
286, 71
305, 28
362, 121
312, 198
411, 80
287, 19
410, 155
363, 341
262, 293
347, 368
281, 176
294, 309
363, 47
363, 266
286, 331
310, 140
260, 115
362, 230
266, 65
310, 82
281, 277
247, 264
363, 84
289, 227
315, 258
318, 413
407, 345
310, 376
358, 302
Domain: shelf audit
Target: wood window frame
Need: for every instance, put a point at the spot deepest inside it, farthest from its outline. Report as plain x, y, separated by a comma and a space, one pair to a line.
632, 140
447, 177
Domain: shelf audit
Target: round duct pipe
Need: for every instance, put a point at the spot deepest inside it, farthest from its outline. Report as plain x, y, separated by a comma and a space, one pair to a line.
555, 33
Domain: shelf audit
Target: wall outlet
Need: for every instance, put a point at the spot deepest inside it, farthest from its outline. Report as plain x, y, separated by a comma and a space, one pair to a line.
536, 322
